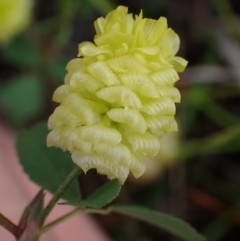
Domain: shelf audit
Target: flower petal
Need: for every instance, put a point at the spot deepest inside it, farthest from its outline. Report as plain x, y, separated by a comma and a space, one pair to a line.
103, 73
90, 49
141, 84
145, 143
171, 92
81, 80
178, 63
163, 106
103, 165
60, 93
87, 111
128, 116
100, 134
127, 64
118, 152
62, 116
138, 165
161, 124
120, 94
165, 76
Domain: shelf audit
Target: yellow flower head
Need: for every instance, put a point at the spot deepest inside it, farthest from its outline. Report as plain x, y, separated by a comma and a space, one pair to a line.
14, 16
118, 97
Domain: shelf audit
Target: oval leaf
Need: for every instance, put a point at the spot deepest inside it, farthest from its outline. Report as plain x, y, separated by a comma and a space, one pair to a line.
101, 197
22, 98
161, 220
48, 167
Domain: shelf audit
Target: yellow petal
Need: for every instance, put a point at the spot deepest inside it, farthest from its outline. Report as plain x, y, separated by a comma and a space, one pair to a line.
178, 63
81, 80
87, 111
163, 106
60, 93
100, 134
127, 64
72, 137
145, 143
103, 73
169, 43
165, 76
128, 116
55, 139
171, 92
138, 165
75, 65
62, 117
154, 30
117, 18
161, 124
99, 25
121, 95
90, 49
141, 84
148, 50
103, 165
118, 152
114, 40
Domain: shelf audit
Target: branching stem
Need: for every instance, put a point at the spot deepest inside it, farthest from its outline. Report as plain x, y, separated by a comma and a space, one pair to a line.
60, 191
7, 224
72, 214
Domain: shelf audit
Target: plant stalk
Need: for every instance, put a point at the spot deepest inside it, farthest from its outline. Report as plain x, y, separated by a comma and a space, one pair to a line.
60, 191
72, 214
7, 224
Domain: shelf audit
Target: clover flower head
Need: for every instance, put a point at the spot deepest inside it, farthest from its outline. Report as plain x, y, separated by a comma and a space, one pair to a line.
118, 98
15, 15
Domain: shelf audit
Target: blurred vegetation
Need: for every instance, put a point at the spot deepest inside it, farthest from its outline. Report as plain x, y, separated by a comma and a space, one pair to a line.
201, 181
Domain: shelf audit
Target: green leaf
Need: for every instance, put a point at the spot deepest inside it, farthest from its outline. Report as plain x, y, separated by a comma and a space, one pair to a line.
48, 167
225, 141
22, 98
161, 220
57, 69
101, 197
21, 51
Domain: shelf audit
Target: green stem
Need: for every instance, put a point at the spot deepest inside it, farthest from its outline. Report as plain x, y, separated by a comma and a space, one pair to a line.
60, 220
60, 191
7, 224
72, 214
98, 211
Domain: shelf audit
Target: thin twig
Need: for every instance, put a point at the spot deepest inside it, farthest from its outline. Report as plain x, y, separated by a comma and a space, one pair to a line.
60, 191
60, 220
72, 214
7, 224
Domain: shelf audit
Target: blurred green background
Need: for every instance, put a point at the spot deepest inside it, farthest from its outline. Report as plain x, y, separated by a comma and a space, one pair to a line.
198, 178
